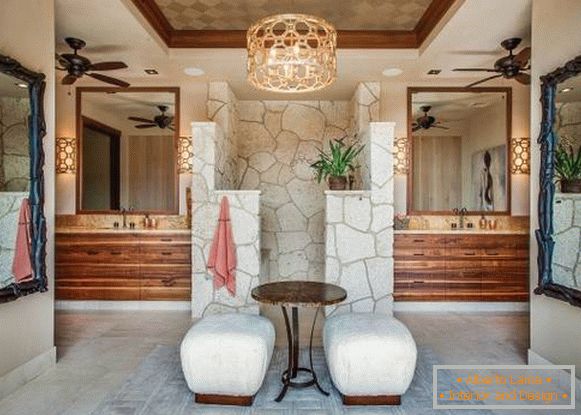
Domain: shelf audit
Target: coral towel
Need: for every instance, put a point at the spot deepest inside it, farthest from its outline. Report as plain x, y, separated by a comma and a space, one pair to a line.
22, 264
222, 261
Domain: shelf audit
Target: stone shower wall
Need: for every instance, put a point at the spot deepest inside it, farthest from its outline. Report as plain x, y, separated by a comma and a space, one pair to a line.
277, 142
245, 220
222, 109
14, 154
359, 232
9, 209
567, 236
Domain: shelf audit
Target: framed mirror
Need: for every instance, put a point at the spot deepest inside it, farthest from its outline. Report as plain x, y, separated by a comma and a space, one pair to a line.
459, 140
22, 220
559, 233
127, 149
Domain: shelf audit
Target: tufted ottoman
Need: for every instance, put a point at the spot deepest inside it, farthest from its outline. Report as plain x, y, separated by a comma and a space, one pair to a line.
225, 357
371, 357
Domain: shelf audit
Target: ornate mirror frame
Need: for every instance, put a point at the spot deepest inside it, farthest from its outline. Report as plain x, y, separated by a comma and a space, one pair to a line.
548, 142
36, 132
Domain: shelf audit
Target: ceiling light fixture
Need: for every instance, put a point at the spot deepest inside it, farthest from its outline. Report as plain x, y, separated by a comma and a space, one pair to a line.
390, 72
292, 53
21, 85
194, 71
151, 72
565, 90
434, 71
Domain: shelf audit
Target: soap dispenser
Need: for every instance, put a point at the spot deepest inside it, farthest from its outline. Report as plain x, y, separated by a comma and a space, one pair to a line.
482, 222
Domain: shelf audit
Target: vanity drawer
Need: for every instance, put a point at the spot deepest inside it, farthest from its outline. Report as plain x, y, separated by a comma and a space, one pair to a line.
418, 253
419, 241
81, 272
155, 239
98, 293
98, 253
168, 254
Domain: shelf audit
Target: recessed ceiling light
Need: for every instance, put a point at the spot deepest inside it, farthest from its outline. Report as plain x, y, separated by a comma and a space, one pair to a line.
392, 72
194, 71
21, 85
434, 71
151, 72
564, 90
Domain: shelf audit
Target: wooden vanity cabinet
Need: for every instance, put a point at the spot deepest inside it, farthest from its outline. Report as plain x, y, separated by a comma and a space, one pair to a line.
463, 267
123, 266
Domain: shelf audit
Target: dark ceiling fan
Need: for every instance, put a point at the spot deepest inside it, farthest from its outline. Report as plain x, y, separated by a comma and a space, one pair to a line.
426, 121
510, 67
77, 65
162, 121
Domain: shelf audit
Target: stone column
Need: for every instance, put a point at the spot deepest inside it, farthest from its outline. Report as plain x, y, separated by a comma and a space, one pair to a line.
359, 232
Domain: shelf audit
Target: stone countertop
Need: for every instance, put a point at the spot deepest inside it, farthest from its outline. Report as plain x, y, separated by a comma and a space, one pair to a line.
123, 231
462, 232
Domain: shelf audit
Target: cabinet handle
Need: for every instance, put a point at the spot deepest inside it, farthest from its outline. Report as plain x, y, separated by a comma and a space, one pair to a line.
493, 253
92, 252
469, 253
168, 282
419, 240
115, 253
166, 239
419, 282
418, 254
166, 253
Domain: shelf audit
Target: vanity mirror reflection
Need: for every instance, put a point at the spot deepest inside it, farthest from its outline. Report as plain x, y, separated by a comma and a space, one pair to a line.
459, 140
22, 220
127, 149
559, 234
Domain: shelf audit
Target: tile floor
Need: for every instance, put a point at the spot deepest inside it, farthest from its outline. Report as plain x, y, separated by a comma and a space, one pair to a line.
99, 350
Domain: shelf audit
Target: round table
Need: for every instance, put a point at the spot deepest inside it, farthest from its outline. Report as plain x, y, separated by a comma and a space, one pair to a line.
295, 294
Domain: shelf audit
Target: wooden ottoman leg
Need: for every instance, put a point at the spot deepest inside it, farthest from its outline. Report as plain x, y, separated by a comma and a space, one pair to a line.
224, 399
372, 400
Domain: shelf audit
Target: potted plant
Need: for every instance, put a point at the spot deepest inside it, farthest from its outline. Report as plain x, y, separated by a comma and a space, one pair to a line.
568, 168
336, 164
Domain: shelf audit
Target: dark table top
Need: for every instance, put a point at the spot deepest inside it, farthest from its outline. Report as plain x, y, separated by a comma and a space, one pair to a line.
299, 293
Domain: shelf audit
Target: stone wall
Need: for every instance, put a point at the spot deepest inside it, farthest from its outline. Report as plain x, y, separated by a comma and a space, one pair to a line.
567, 236
244, 214
277, 142
568, 123
14, 154
9, 210
359, 232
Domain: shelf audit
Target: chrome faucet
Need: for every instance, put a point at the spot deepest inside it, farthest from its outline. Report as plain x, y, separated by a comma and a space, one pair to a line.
461, 213
124, 214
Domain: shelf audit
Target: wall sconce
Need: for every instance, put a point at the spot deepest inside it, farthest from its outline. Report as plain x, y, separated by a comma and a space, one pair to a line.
400, 156
66, 155
185, 155
521, 154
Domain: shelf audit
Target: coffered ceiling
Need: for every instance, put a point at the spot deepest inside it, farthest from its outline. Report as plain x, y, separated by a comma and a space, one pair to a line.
361, 24
344, 15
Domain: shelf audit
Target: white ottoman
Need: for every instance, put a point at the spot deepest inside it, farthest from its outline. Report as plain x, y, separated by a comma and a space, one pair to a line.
225, 357
371, 357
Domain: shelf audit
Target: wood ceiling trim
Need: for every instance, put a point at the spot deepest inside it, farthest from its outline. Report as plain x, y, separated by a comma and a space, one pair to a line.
346, 39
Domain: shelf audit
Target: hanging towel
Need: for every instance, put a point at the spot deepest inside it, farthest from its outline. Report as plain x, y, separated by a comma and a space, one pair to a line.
22, 264
222, 261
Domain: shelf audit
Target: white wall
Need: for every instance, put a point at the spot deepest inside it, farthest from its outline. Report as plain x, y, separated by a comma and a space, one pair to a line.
394, 108
26, 325
556, 38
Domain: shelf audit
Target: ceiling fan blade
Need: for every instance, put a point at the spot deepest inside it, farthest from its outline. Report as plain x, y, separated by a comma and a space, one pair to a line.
139, 119
482, 81
523, 57
108, 79
69, 80
62, 61
146, 126
107, 66
523, 78
473, 70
